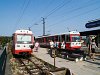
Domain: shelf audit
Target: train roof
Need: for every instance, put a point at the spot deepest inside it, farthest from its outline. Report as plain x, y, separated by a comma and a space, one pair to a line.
23, 31
70, 32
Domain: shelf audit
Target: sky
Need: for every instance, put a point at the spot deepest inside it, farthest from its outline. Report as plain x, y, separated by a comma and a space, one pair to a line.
60, 15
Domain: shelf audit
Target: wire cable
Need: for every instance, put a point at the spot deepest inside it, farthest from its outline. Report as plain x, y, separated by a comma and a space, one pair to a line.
24, 9
57, 8
76, 16
69, 13
84, 6
19, 15
45, 9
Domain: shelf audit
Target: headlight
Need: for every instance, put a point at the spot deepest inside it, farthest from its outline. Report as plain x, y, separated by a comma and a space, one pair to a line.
18, 45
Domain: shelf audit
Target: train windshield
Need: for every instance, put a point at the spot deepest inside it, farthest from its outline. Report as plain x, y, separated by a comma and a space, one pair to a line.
75, 38
23, 38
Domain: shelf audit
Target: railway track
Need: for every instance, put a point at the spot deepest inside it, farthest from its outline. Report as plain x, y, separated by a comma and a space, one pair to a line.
31, 67
36, 66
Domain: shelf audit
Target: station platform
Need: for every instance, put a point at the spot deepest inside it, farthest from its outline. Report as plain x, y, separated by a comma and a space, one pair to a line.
87, 67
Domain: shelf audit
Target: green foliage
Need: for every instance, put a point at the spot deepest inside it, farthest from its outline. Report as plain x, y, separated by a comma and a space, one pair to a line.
4, 40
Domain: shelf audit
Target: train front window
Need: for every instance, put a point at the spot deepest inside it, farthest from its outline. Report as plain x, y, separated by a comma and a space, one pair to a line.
75, 38
23, 38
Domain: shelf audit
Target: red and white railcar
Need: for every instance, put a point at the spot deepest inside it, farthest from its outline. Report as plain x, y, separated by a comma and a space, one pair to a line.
71, 40
67, 44
23, 41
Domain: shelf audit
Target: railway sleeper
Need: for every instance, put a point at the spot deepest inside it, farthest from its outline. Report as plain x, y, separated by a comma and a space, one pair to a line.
51, 70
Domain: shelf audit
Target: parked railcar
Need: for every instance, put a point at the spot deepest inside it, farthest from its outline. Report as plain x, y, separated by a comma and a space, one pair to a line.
23, 41
68, 43
71, 40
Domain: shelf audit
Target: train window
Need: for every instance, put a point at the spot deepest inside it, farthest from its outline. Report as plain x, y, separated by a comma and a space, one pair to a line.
67, 38
47, 39
44, 39
40, 39
52, 38
62, 38
58, 38
75, 38
23, 38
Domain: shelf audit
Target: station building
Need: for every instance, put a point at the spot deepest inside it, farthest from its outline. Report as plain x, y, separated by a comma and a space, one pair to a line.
92, 24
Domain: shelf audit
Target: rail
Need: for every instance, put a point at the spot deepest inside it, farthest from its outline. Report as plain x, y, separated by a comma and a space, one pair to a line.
25, 66
35, 66
3, 58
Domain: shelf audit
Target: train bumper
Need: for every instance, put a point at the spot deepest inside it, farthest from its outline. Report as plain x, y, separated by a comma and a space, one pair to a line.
22, 51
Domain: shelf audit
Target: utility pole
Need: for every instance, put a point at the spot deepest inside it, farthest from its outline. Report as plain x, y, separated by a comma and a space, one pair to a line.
43, 25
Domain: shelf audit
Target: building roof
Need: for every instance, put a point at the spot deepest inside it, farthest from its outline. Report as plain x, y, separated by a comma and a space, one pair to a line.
92, 32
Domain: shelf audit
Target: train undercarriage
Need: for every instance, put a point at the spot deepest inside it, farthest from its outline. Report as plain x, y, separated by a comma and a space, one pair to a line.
76, 55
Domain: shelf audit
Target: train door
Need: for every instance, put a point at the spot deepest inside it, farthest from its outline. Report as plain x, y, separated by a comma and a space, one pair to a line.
42, 41
56, 41
63, 39
67, 42
47, 41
